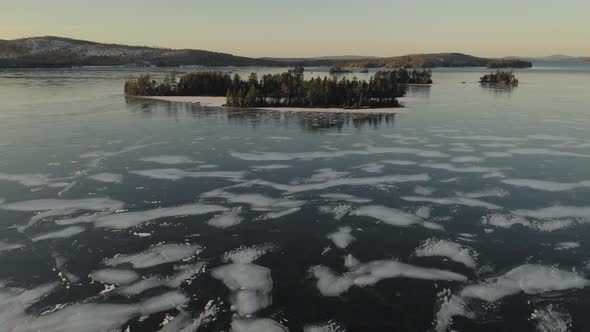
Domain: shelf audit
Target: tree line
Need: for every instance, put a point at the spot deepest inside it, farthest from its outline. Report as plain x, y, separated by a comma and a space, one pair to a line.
500, 77
288, 89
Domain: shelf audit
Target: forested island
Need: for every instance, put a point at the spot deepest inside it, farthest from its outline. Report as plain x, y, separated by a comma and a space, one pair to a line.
506, 78
509, 63
288, 89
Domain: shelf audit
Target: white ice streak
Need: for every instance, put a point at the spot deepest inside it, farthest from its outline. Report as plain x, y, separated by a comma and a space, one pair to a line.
177, 174
393, 216
61, 234
250, 284
546, 152
345, 197
489, 138
184, 273
371, 150
342, 237
34, 180
459, 200
338, 211
269, 167
330, 284
566, 245
170, 160
5, 246
466, 169
449, 249
547, 185
227, 219
107, 177
156, 255
245, 255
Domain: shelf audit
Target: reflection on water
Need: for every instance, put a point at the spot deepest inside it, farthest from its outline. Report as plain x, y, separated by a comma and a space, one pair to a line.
499, 89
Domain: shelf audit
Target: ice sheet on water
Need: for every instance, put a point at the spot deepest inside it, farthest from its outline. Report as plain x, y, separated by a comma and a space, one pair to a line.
250, 284
114, 276
227, 219
107, 177
89, 204
556, 212
330, 284
342, 237
338, 211
398, 162
566, 245
552, 318
257, 325
33, 180
467, 159
509, 220
450, 306
370, 150
392, 216
177, 174
449, 249
458, 200
371, 167
547, 185
131, 219
245, 255
494, 192
424, 191
156, 255
528, 278
466, 169
489, 138
330, 326
61, 234
497, 154
170, 160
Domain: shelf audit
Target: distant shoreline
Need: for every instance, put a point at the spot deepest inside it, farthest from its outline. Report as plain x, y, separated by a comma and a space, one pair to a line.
220, 102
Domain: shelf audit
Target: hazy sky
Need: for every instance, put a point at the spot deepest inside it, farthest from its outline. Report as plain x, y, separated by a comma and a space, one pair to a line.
314, 27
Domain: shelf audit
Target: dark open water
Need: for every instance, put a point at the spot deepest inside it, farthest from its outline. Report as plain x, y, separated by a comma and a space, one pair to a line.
468, 211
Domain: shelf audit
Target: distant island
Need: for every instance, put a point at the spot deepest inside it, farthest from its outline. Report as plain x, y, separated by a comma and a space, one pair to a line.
54, 52
288, 89
339, 70
505, 78
509, 63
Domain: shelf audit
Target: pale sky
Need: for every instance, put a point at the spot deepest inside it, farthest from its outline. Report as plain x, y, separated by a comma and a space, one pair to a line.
297, 28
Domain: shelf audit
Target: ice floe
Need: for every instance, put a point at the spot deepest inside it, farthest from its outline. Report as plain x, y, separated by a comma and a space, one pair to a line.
269, 167
345, 197
257, 325
131, 219
275, 206
556, 212
34, 180
227, 219
546, 152
342, 237
566, 245
467, 159
466, 169
489, 138
371, 168
330, 284
245, 255
338, 211
5, 246
156, 255
107, 177
449, 249
114, 276
250, 284
393, 217
184, 273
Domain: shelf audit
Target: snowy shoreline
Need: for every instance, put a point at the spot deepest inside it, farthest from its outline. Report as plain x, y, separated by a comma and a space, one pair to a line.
220, 101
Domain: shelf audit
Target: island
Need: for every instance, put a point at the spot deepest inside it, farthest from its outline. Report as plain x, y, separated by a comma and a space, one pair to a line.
285, 90
509, 63
505, 78
339, 70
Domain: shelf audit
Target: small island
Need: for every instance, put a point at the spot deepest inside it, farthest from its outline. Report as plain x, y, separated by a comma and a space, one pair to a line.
508, 63
505, 78
288, 89
334, 70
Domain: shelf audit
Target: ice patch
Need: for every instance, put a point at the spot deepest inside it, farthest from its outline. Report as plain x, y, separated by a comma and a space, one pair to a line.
170, 160
499, 154
156, 255
547, 185
330, 326
451, 250
489, 138
467, 159
107, 177
495, 192
391, 216
250, 284
424, 191
227, 219
330, 284
566, 245
371, 167
556, 212
398, 162
257, 325
339, 211
114, 276
453, 168
245, 255
452, 201
258, 202
450, 307
33, 180
130, 219
552, 319
342, 238
423, 212
177, 174
546, 152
